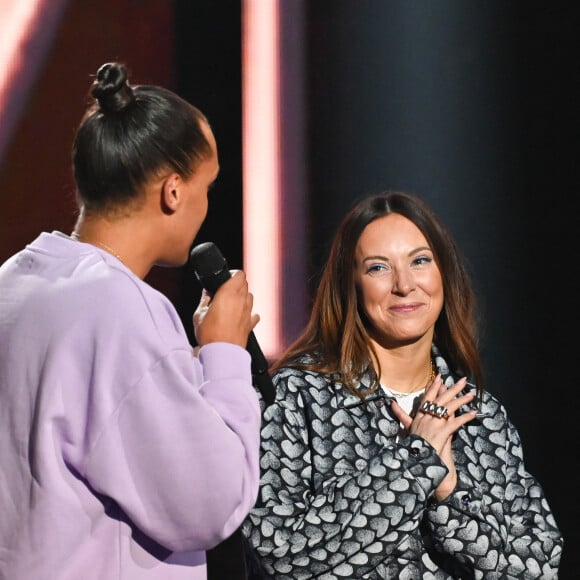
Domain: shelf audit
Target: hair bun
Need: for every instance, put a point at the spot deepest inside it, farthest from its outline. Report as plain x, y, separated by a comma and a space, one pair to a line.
111, 89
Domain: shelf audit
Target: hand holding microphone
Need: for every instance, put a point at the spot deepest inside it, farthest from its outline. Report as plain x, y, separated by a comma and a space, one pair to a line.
227, 319
230, 318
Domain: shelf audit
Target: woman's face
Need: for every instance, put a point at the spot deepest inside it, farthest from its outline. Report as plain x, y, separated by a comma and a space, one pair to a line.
400, 285
198, 185
193, 207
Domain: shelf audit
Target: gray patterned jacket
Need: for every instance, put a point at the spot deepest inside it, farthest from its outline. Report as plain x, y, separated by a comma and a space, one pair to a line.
340, 497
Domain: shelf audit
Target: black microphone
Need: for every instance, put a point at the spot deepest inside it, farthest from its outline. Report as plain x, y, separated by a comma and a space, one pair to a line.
211, 269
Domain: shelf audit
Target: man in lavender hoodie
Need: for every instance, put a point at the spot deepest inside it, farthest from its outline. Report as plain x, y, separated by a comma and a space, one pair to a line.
124, 455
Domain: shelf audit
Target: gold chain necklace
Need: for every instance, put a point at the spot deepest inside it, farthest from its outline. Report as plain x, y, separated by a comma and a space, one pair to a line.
429, 378
76, 237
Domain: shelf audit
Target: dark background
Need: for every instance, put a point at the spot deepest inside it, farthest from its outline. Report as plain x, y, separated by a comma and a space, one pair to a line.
474, 106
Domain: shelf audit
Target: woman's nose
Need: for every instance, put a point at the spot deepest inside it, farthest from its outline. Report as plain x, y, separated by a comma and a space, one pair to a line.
403, 282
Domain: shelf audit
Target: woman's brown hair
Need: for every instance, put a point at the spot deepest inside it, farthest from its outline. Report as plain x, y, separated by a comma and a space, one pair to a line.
336, 340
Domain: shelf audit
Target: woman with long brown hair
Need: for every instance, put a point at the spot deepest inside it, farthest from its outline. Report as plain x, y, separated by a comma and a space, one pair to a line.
383, 456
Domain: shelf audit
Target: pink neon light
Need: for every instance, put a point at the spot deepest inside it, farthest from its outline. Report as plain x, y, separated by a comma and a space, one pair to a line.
26, 27
16, 15
261, 166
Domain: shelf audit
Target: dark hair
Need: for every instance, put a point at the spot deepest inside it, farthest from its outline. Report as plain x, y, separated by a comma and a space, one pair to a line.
336, 339
130, 134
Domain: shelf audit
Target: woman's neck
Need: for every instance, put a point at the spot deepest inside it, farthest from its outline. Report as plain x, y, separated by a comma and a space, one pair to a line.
406, 370
118, 237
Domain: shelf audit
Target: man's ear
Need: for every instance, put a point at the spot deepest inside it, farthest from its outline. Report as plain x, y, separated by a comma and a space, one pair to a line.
170, 193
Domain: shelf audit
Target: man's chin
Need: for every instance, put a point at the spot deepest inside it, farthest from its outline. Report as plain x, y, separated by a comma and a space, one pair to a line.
172, 263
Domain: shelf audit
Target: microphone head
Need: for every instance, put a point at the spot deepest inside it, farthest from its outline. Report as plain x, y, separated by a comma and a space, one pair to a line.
209, 266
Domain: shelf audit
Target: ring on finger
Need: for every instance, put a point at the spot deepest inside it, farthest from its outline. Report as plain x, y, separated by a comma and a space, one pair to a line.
435, 410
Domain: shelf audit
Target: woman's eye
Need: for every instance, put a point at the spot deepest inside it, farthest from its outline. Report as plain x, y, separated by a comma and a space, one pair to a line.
376, 269
422, 260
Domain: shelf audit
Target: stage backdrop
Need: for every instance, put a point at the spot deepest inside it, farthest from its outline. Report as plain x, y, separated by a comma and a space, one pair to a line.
472, 106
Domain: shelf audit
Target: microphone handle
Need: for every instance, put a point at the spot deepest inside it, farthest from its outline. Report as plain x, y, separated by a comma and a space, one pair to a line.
260, 376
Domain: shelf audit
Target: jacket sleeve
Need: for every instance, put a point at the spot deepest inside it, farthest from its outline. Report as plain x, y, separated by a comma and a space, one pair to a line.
501, 523
354, 520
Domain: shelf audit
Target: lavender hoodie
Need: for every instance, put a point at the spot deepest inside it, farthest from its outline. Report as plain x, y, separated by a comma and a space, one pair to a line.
122, 455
